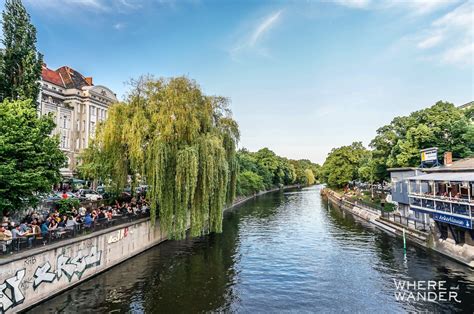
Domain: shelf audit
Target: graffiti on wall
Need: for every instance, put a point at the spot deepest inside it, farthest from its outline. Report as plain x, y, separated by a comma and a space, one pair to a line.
10, 292
118, 235
69, 266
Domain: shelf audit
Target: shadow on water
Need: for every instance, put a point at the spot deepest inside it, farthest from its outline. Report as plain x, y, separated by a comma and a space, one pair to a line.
282, 252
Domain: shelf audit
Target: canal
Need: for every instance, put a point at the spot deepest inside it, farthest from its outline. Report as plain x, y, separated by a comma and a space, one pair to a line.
284, 251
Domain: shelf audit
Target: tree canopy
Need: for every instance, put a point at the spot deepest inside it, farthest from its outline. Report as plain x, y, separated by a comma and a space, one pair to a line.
398, 144
20, 63
182, 141
264, 170
29, 158
342, 164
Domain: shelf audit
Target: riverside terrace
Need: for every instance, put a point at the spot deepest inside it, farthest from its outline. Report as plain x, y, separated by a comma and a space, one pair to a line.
39, 230
448, 197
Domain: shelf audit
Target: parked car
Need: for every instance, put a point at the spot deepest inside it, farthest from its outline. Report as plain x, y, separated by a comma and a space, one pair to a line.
89, 194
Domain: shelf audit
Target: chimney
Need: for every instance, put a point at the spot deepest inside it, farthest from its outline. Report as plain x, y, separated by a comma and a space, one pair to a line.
89, 80
448, 158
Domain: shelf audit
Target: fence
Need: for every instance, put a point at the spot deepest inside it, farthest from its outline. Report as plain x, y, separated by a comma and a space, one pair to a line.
35, 240
410, 222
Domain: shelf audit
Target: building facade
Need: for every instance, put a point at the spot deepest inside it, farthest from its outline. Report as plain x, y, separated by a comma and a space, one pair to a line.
77, 106
447, 194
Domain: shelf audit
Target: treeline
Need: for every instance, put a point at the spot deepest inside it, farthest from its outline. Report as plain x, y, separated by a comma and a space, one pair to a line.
398, 144
264, 170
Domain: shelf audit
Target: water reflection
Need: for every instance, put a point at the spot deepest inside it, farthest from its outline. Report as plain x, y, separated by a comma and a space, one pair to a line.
283, 252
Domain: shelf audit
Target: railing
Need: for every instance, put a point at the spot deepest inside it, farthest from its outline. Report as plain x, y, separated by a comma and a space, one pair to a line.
412, 223
36, 240
462, 199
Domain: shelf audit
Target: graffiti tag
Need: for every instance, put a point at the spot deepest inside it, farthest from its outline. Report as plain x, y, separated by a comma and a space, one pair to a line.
69, 266
10, 293
117, 236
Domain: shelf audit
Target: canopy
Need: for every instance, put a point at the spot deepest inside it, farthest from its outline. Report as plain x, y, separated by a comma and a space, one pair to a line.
445, 176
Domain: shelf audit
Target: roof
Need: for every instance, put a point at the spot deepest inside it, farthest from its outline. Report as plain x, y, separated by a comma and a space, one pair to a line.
466, 164
72, 78
445, 176
64, 76
51, 76
405, 169
467, 105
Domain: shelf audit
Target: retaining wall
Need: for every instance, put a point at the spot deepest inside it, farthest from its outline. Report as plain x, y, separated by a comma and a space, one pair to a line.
35, 275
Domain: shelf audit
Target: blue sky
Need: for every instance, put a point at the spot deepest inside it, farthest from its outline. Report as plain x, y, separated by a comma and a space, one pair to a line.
302, 76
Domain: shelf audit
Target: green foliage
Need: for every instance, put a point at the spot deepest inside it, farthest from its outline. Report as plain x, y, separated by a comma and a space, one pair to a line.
20, 63
398, 144
342, 164
29, 158
65, 205
263, 170
309, 176
442, 125
249, 183
182, 141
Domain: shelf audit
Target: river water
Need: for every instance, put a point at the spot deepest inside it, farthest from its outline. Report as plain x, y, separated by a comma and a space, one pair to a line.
282, 252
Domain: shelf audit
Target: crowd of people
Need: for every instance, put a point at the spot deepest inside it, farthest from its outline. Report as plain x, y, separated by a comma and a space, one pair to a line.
40, 228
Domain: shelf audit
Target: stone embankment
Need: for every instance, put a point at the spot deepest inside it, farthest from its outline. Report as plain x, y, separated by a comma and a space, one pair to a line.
429, 239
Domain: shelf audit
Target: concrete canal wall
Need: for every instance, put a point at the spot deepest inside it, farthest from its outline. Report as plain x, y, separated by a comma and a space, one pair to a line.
31, 277
462, 253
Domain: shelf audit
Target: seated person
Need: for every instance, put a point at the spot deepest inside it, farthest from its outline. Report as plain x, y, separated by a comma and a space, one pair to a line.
5, 238
88, 220
63, 222
70, 223
44, 229
17, 233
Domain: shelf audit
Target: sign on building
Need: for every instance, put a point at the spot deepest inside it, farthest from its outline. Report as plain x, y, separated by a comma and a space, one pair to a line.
429, 156
453, 220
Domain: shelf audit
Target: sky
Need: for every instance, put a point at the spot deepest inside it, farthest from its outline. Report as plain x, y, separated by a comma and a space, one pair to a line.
303, 76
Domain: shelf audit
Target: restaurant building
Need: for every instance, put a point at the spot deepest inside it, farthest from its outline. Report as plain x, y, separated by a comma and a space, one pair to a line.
77, 106
445, 193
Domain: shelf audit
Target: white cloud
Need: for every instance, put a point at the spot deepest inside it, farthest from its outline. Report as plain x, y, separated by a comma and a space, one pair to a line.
460, 55
264, 27
419, 7
430, 41
413, 7
358, 4
453, 34
119, 26
252, 39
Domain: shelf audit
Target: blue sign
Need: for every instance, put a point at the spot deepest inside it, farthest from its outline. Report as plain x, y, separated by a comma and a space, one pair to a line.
453, 220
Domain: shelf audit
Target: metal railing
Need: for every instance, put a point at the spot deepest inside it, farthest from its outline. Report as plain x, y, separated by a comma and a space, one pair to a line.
31, 241
409, 222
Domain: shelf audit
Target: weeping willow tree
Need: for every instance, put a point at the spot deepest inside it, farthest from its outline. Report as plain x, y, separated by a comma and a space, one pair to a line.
181, 141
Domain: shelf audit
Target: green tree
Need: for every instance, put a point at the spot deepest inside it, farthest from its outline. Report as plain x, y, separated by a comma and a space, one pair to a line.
343, 163
249, 183
442, 125
20, 63
300, 167
182, 141
309, 176
29, 158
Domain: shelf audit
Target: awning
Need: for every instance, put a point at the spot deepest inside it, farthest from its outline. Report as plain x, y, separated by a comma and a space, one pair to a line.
445, 176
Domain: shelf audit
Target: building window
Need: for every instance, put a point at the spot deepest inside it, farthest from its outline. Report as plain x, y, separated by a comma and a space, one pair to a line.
63, 141
65, 126
92, 111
